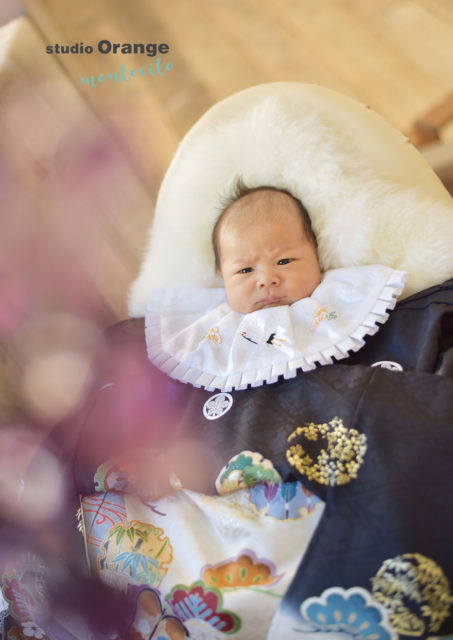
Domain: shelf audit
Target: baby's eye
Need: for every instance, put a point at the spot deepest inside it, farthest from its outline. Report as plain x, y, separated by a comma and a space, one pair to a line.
285, 261
245, 270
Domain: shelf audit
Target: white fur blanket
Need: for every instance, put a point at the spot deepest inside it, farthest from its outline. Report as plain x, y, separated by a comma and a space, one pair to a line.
371, 196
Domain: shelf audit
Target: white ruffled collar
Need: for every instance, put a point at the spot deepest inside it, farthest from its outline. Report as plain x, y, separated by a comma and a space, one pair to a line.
194, 336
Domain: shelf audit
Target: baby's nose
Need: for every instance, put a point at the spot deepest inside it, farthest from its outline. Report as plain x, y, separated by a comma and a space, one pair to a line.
267, 278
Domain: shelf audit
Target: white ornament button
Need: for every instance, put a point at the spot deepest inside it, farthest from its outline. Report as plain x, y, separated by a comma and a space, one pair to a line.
388, 364
217, 406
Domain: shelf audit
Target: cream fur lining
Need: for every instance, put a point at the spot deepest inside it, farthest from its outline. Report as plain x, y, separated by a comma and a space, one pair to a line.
371, 196
194, 336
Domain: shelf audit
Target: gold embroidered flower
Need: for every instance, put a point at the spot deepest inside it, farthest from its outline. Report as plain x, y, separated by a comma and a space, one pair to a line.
328, 453
416, 592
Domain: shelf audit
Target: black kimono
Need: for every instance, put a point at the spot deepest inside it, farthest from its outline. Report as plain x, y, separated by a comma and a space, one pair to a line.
372, 437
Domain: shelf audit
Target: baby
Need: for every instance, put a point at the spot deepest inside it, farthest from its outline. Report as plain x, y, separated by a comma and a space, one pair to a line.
265, 249
266, 252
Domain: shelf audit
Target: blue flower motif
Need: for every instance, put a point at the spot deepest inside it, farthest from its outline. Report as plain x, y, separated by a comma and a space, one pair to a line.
351, 611
285, 500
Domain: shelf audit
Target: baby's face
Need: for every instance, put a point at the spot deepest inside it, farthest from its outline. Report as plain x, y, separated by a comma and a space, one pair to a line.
266, 260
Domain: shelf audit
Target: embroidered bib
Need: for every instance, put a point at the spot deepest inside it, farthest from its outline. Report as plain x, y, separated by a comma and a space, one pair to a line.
194, 336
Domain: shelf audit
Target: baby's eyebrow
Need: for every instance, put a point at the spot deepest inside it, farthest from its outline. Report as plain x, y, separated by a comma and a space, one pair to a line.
273, 251
287, 249
241, 261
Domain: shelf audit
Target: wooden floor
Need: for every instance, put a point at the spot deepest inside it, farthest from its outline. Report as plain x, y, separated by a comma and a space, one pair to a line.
86, 162
395, 55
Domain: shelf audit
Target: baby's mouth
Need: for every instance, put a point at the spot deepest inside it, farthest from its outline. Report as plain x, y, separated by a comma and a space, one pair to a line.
271, 301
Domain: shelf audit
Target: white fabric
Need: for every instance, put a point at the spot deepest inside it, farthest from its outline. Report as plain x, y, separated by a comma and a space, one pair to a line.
208, 531
194, 336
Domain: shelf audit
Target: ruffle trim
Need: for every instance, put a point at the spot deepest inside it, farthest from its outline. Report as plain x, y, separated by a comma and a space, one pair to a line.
256, 377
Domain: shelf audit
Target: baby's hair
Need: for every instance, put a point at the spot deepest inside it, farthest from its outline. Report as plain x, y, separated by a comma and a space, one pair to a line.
239, 191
